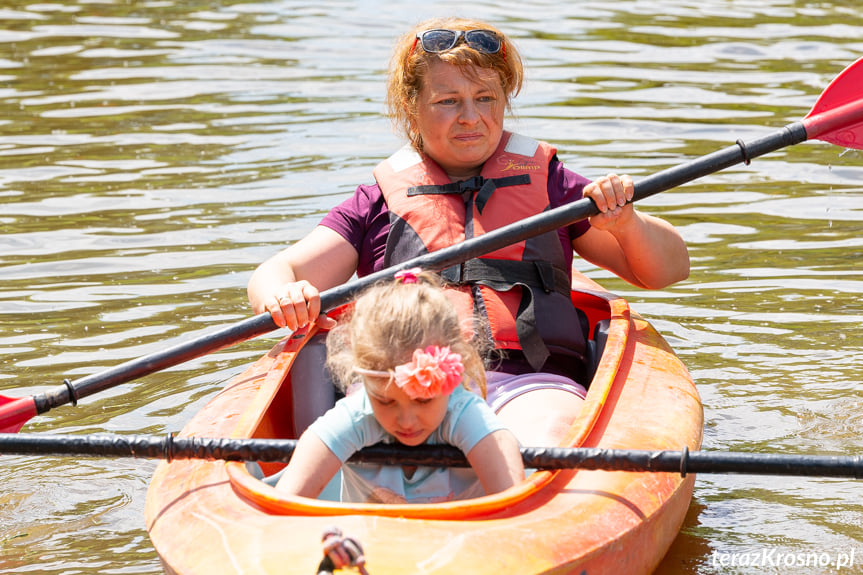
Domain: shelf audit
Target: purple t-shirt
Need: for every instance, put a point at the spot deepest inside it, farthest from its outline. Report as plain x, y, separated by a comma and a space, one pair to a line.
363, 219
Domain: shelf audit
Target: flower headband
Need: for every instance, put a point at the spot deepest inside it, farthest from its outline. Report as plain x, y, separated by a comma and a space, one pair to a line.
408, 276
432, 372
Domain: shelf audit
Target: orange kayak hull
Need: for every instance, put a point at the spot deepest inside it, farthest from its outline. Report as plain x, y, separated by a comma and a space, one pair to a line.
214, 517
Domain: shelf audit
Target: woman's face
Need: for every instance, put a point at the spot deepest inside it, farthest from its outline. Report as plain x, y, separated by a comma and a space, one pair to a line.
460, 118
410, 421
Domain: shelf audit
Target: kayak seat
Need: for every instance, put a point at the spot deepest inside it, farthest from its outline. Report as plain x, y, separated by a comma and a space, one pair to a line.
595, 347
311, 384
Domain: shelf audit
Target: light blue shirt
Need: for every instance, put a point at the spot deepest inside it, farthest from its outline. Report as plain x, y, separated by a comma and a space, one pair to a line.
351, 425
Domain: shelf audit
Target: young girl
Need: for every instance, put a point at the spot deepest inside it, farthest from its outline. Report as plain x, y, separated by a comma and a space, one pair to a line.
404, 345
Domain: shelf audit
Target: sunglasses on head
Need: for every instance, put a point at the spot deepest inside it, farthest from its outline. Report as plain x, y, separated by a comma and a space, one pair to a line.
440, 40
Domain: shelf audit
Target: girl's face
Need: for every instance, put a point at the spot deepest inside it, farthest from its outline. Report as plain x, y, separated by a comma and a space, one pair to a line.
460, 117
410, 421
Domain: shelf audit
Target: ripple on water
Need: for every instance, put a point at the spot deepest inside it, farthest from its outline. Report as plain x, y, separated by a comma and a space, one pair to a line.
151, 154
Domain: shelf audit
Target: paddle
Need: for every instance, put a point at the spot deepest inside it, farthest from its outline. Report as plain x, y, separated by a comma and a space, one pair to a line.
837, 117
209, 448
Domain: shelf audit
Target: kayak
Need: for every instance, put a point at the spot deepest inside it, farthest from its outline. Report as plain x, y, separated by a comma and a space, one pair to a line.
218, 517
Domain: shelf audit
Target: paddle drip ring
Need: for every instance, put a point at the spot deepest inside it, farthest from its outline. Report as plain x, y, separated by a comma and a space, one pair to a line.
742, 145
169, 447
684, 457
73, 393
340, 552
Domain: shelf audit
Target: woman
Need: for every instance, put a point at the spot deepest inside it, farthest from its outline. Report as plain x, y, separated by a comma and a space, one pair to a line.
451, 81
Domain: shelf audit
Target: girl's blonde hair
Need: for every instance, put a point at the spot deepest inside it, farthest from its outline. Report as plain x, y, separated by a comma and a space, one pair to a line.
389, 321
410, 66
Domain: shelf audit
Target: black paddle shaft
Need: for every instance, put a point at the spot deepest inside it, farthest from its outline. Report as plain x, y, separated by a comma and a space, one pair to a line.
71, 392
280, 450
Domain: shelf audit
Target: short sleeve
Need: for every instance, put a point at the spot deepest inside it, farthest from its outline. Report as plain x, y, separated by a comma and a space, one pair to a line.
469, 419
363, 220
349, 426
565, 187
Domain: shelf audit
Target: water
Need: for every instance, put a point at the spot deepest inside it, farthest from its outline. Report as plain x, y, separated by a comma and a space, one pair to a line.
152, 153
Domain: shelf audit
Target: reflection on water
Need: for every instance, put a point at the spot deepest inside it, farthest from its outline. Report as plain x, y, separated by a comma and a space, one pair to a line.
152, 153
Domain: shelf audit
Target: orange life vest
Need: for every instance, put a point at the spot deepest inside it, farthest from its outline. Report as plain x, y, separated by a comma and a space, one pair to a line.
522, 290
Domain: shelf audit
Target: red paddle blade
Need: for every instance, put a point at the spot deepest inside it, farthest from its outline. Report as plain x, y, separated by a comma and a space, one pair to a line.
15, 412
837, 116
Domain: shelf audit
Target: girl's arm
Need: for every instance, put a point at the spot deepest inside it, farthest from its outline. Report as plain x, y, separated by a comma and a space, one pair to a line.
496, 459
312, 466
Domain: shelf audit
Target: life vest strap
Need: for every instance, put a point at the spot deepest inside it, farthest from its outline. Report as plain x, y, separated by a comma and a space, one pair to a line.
506, 274
466, 188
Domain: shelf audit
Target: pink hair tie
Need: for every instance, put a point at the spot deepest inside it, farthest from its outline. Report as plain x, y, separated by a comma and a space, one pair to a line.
408, 276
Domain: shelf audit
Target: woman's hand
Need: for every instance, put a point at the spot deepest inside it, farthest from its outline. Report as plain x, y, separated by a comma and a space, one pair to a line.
611, 194
286, 285
296, 305
644, 250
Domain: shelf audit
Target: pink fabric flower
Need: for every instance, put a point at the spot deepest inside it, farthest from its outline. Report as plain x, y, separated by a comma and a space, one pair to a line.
435, 371
408, 276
